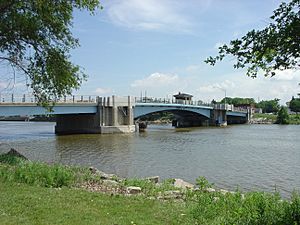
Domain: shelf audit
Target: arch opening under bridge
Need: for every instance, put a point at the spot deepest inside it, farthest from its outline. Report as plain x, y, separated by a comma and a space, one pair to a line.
185, 116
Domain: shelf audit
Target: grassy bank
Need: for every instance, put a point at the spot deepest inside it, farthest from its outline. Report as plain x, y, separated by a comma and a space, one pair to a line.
293, 118
25, 204
38, 193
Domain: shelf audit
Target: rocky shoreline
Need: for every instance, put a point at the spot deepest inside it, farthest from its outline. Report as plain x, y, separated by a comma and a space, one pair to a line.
261, 121
114, 185
150, 187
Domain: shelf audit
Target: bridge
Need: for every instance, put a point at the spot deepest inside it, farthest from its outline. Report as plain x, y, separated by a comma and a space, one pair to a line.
93, 114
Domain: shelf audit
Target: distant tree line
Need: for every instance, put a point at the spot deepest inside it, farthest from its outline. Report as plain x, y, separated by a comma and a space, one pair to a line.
163, 116
267, 106
238, 101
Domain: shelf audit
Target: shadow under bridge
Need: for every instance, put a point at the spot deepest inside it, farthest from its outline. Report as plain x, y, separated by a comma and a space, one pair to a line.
185, 115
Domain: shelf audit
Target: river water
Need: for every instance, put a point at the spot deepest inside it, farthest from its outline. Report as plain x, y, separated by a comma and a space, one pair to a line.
248, 157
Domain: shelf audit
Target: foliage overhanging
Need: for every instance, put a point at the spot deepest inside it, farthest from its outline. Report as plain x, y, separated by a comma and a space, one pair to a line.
276, 47
35, 39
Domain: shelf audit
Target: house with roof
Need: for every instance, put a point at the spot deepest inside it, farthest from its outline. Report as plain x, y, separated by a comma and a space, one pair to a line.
183, 98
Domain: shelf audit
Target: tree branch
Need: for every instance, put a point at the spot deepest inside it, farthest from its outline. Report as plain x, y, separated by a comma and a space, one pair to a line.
14, 62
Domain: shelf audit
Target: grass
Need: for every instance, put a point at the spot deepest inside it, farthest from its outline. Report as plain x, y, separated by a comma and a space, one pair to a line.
38, 193
25, 204
294, 119
41, 174
253, 208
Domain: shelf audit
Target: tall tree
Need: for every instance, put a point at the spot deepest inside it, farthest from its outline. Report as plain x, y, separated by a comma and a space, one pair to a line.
35, 39
276, 47
269, 106
295, 104
238, 101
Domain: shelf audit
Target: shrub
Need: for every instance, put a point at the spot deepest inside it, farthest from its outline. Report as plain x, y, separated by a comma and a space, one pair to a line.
39, 174
255, 208
9, 159
35, 173
283, 116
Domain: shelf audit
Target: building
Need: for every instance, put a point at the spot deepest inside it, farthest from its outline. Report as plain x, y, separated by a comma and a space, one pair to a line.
183, 98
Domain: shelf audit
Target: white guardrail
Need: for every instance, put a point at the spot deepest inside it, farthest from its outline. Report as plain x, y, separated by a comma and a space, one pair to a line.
12, 98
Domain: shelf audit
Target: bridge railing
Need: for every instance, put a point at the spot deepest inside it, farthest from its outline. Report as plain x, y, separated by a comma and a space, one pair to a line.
12, 98
240, 109
229, 107
171, 101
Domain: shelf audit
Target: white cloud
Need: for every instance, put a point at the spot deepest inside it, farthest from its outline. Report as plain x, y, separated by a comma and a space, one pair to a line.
102, 91
287, 75
260, 88
152, 15
214, 90
206, 88
156, 80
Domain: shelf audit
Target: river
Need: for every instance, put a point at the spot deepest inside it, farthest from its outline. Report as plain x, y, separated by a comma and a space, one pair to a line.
248, 157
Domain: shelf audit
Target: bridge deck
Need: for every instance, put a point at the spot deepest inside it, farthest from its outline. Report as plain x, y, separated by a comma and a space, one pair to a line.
26, 109
86, 107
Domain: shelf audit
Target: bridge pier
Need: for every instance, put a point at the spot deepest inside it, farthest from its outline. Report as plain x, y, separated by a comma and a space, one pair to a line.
219, 117
77, 124
114, 115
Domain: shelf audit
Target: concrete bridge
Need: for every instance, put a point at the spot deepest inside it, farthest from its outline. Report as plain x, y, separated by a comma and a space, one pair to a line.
114, 114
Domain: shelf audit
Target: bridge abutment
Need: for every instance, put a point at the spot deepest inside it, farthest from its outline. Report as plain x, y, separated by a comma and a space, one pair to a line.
114, 115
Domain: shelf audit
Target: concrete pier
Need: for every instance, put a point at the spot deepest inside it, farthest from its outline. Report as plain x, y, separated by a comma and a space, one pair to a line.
114, 115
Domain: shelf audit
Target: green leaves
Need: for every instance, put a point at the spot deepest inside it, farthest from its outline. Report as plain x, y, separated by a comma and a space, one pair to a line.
283, 116
269, 106
277, 47
35, 38
295, 104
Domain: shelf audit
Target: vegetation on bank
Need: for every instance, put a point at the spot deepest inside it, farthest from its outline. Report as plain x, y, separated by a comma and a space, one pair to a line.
161, 117
39, 193
284, 118
295, 104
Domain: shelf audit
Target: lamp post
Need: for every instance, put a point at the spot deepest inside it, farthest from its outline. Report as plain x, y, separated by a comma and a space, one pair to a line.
223, 89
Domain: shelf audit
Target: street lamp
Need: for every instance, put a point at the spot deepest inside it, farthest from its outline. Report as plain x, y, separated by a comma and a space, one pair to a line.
223, 89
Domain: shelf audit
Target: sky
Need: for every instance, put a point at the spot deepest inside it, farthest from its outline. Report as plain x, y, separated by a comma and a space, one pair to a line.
158, 47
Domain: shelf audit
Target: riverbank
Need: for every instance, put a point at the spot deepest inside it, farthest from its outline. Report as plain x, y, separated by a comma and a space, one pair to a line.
264, 118
38, 193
